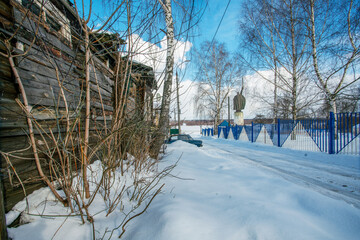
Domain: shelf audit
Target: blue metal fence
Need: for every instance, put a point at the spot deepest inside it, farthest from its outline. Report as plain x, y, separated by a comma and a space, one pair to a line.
345, 133
236, 130
208, 132
339, 134
248, 131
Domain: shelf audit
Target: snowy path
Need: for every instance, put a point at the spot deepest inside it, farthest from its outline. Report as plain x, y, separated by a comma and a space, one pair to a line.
238, 190
226, 190
333, 180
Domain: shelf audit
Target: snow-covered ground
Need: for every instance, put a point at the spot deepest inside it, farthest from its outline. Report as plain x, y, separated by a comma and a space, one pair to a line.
238, 190
231, 189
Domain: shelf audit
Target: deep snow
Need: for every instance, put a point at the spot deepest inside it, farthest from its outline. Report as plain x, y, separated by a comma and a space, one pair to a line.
235, 190
228, 197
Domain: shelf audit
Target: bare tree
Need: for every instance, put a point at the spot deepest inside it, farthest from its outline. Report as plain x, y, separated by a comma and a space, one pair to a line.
87, 32
165, 105
335, 43
275, 38
187, 16
347, 101
63, 142
258, 39
218, 74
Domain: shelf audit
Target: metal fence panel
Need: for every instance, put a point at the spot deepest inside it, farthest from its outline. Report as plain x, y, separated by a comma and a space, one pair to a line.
339, 134
347, 133
256, 128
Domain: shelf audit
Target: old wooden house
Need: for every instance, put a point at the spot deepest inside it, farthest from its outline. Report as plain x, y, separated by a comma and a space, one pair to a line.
45, 43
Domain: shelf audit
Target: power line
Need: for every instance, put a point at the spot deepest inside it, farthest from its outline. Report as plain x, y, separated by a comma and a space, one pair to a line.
213, 38
212, 41
217, 29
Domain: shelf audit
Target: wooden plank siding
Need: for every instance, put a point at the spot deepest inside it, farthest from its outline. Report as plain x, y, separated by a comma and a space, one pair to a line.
37, 70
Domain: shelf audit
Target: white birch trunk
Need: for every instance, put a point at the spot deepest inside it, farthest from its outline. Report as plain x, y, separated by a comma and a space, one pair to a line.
165, 104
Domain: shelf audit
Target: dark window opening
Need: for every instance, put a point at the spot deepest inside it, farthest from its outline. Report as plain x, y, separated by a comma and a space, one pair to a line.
53, 24
32, 6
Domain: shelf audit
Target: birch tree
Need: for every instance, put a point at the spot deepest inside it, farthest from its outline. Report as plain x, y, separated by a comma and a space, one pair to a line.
335, 42
277, 29
218, 75
260, 45
165, 104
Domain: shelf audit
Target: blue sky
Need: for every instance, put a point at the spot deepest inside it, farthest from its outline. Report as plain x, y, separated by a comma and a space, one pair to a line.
209, 22
228, 30
227, 33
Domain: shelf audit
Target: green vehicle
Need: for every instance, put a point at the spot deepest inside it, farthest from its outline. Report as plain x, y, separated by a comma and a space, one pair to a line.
185, 138
174, 131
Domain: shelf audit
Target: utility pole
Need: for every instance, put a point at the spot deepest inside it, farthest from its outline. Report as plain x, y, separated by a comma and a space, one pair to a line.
178, 95
177, 99
174, 113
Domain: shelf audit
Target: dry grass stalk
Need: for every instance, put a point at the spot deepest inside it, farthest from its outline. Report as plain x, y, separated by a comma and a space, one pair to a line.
67, 150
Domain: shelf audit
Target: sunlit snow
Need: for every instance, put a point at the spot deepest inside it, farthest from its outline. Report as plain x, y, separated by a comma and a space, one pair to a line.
236, 190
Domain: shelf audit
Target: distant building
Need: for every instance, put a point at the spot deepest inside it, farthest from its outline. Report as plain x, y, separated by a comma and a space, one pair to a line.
224, 124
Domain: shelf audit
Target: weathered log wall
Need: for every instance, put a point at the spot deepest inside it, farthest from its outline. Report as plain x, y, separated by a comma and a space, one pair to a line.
50, 64
54, 61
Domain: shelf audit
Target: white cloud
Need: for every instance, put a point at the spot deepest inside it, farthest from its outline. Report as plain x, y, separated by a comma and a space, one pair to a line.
187, 93
154, 55
256, 86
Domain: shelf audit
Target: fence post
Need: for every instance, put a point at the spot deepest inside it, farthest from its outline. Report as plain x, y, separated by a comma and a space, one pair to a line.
278, 133
331, 133
252, 131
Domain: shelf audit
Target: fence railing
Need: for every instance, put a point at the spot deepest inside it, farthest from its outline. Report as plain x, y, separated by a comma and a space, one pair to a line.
339, 134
